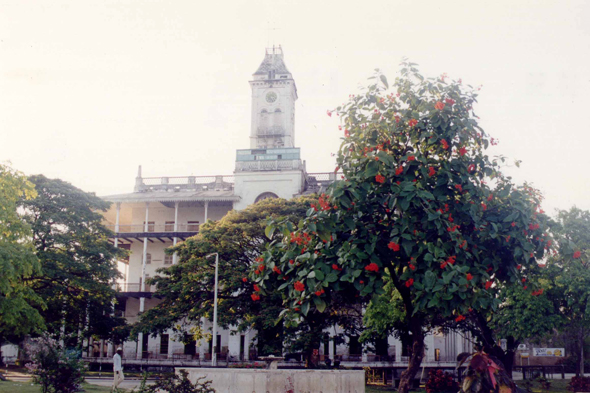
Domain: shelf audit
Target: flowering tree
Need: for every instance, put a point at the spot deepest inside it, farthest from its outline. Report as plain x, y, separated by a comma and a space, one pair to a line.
419, 203
570, 270
53, 367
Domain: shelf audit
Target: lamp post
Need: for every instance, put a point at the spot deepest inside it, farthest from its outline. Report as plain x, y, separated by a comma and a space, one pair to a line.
214, 346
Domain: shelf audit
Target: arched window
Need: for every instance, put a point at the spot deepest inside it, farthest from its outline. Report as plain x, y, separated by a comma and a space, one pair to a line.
265, 195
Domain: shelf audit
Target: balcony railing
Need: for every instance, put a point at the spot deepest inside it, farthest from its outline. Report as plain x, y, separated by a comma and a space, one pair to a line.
156, 228
268, 165
179, 183
134, 287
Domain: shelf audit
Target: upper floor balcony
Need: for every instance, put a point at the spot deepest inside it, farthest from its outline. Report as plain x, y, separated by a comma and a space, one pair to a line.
158, 231
184, 183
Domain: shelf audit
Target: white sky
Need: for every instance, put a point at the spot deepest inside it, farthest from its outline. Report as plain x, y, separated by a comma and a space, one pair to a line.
91, 89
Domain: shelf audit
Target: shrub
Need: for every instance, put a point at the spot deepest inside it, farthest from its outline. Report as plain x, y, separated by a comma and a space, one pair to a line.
439, 381
53, 367
579, 384
176, 384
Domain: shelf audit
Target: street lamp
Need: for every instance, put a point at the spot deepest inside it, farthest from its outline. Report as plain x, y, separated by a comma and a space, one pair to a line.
214, 346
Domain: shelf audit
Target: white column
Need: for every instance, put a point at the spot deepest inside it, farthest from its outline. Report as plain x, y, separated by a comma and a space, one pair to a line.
233, 342
206, 211
331, 346
398, 350
138, 351
429, 344
117, 224
140, 337
175, 256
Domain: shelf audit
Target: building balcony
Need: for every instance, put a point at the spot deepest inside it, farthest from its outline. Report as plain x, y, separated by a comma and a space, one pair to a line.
133, 289
161, 232
269, 165
184, 183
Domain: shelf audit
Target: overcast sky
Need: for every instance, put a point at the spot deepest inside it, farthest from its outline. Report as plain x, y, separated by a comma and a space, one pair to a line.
89, 90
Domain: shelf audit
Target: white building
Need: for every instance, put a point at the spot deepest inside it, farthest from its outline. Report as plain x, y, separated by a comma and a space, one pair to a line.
162, 211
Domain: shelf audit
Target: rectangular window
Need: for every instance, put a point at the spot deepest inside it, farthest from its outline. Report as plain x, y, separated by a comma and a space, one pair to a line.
169, 226
164, 340
148, 258
437, 355
192, 226
168, 259
355, 348
151, 226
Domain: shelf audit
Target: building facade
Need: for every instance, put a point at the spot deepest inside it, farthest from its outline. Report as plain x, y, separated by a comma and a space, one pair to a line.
163, 211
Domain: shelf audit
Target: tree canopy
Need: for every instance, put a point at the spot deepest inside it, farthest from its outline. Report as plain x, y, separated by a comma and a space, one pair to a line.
78, 262
570, 271
186, 289
420, 203
19, 305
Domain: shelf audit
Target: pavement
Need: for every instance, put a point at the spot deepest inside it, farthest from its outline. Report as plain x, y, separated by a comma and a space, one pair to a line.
128, 383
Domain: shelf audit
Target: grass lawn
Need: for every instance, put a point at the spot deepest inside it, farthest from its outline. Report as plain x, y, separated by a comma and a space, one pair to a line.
27, 387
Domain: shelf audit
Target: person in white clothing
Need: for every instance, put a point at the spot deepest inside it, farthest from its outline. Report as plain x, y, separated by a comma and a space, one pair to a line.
117, 368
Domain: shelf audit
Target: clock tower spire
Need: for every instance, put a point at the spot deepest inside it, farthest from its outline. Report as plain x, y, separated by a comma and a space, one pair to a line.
273, 103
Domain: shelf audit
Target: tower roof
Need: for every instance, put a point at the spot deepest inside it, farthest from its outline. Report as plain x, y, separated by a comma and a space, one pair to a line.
273, 61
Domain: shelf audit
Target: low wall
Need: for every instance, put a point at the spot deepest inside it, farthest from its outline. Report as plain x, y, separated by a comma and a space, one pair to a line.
236, 380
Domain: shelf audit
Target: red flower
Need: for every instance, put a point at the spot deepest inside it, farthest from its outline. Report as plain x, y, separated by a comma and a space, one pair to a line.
319, 293
291, 261
411, 158
380, 179
412, 267
393, 246
484, 206
412, 122
523, 280
431, 171
577, 254
372, 267
256, 288
459, 187
469, 277
245, 279
518, 267
255, 297
445, 144
256, 271
410, 282
462, 151
261, 267
488, 284
336, 267
329, 113
276, 270
362, 282
439, 105
471, 168
513, 224
460, 318
450, 101
299, 286
490, 197
399, 171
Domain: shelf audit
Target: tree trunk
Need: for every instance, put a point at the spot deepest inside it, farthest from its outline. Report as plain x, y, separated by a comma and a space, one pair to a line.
581, 354
405, 383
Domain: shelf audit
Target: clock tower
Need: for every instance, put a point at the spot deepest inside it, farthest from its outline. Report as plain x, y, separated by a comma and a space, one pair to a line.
273, 103
272, 166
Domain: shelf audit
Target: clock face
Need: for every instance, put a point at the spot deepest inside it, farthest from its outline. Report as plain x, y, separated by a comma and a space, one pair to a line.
271, 97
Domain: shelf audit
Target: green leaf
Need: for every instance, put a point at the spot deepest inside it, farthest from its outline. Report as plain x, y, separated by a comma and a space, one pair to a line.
384, 81
331, 277
305, 308
320, 304
269, 230
319, 274
372, 169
